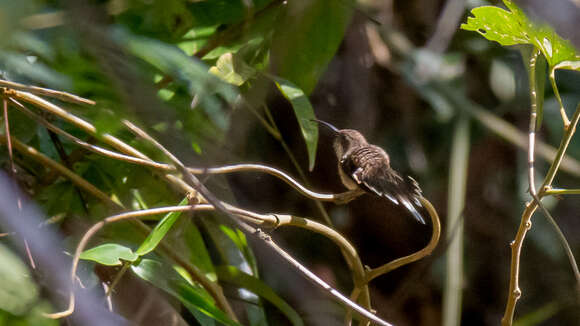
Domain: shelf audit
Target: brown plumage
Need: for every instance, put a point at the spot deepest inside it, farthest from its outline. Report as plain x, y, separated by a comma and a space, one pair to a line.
366, 166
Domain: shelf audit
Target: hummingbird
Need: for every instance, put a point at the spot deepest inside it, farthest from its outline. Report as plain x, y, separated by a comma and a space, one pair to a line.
365, 166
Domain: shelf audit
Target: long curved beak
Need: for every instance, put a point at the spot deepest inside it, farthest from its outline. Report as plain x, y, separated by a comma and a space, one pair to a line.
327, 125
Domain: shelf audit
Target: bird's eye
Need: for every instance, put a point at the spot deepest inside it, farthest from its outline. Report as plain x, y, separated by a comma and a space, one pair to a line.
344, 140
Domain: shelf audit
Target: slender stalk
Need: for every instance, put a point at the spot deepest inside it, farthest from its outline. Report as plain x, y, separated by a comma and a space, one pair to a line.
453, 288
348, 251
558, 191
319, 282
90, 147
218, 205
516, 246
94, 229
50, 163
63, 96
558, 98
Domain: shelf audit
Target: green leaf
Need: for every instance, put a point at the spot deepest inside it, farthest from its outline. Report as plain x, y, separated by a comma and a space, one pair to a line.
198, 253
194, 298
171, 60
217, 12
306, 39
232, 69
109, 254
513, 27
304, 113
233, 275
540, 315
196, 38
568, 65
241, 242
21, 65
18, 291
160, 230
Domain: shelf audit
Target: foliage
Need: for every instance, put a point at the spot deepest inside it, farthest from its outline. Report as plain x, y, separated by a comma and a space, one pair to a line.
200, 76
181, 67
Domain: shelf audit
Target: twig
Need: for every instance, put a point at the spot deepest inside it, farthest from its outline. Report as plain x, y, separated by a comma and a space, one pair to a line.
93, 230
516, 246
75, 178
552, 77
63, 96
297, 166
218, 205
312, 277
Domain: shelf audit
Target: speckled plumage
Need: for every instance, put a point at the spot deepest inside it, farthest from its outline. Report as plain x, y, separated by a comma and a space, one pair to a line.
366, 166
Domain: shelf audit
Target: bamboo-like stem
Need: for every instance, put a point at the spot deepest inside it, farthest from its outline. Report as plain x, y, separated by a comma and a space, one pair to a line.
134, 156
90, 147
71, 118
63, 96
113, 141
73, 177
143, 160
458, 171
220, 206
558, 191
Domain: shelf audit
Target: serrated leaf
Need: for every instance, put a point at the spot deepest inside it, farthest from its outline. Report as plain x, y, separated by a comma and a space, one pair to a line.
304, 114
193, 298
233, 70
233, 275
109, 254
159, 232
513, 27
568, 65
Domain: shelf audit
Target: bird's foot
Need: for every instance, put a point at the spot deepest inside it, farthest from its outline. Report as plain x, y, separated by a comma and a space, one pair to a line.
348, 196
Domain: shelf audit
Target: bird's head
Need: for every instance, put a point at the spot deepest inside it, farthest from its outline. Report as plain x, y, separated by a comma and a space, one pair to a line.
345, 140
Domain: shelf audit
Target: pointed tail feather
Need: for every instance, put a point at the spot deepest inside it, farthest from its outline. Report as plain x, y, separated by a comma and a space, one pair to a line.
412, 209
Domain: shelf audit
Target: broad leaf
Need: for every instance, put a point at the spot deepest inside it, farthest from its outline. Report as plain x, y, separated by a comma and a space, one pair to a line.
109, 254
513, 27
232, 69
160, 230
233, 275
304, 114
307, 38
173, 61
194, 298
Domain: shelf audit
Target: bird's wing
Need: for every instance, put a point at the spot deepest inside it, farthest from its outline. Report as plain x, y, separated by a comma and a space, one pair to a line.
367, 167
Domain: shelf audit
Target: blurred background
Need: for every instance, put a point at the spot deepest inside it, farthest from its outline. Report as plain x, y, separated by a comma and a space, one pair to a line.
400, 72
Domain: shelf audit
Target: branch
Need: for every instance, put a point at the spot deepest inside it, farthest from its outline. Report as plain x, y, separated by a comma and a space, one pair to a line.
258, 233
525, 224
427, 250
63, 96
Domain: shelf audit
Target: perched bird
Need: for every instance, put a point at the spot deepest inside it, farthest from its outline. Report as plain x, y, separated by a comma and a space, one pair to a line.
365, 166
